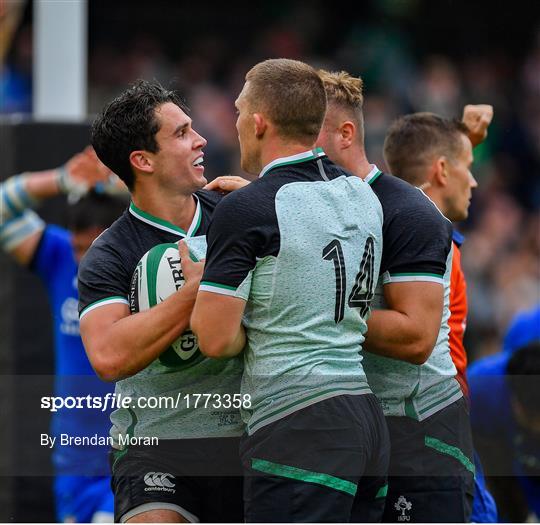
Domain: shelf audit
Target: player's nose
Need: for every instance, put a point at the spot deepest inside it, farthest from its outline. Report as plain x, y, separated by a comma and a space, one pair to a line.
199, 142
472, 181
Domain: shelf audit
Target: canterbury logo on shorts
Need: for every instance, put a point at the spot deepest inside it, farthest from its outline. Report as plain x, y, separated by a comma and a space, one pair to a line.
159, 481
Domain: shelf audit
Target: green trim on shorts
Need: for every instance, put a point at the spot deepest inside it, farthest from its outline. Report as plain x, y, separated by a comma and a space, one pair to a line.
383, 491
308, 476
357, 390
119, 454
456, 390
445, 448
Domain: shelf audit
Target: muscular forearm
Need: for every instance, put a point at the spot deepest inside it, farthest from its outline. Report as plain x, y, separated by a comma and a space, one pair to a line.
394, 334
133, 342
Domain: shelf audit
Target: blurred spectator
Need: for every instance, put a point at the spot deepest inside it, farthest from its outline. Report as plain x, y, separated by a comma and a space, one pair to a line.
505, 416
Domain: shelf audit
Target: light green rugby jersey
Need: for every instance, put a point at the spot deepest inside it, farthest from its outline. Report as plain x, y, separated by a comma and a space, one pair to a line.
179, 417
296, 353
411, 390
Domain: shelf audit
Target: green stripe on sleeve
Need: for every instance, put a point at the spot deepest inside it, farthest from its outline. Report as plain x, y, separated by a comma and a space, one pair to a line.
112, 299
300, 474
216, 285
445, 448
416, 274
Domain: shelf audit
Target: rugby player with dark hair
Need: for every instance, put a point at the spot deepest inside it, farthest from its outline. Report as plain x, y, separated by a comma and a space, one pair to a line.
147, 138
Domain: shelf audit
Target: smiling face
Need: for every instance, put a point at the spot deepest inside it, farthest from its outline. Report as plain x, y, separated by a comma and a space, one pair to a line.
458, 192
177, 164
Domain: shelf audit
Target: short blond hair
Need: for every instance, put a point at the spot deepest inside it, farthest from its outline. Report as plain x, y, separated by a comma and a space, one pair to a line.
346, 92
292, 95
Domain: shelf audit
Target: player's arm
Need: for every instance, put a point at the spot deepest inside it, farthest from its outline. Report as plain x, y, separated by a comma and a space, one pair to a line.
217, 323
408, 328
416, 251
234, 240
477, 118
20, 227
119, 345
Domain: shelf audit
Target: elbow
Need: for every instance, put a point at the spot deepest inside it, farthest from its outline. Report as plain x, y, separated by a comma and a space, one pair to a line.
417, 357
214, 345
106, 369
214, 349
419, 352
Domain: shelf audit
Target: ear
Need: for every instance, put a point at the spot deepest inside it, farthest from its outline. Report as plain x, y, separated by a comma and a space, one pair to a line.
439, 172
141, 161
259, 125
347, 132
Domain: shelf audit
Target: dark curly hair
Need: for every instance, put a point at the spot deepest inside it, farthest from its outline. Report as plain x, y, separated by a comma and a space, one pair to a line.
129, 123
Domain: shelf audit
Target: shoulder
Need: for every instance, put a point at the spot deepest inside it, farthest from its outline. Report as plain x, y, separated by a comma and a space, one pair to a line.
54, 250
57, 234
523, 329
410, 206
248, 213
247, 201
55, 238
209, 199
493, 365
108, 246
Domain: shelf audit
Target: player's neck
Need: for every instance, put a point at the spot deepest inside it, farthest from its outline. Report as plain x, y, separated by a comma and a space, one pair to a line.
178, 209
358, 164
436, 198
279, 150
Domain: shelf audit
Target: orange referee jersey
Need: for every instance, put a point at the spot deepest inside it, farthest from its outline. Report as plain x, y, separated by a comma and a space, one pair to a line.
458, 316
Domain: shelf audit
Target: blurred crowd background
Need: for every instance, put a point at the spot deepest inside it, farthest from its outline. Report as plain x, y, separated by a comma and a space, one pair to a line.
414, 55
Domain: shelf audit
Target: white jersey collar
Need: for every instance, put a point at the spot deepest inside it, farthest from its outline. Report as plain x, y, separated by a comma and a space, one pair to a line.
293, 159
167, 226
373, 175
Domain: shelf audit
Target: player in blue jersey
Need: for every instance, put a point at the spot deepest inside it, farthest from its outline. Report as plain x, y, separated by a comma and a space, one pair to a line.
505, 418
82, 486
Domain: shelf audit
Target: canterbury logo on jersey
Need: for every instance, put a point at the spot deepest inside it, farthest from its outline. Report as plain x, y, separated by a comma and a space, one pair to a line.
159, 481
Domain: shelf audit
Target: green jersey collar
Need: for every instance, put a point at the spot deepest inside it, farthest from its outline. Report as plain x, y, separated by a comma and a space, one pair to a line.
167, 226
373, 175
293, 159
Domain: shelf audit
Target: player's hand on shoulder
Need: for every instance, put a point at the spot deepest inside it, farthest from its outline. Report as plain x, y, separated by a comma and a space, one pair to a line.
477, 118
226, 184
192, 270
